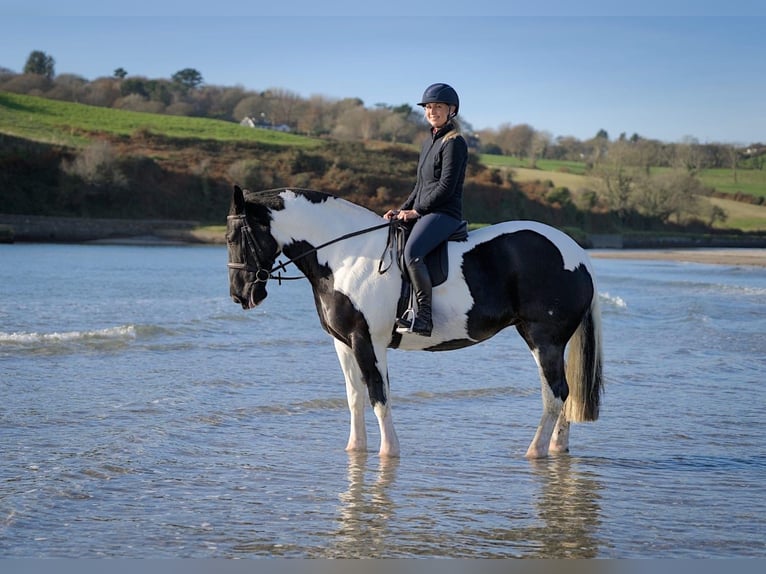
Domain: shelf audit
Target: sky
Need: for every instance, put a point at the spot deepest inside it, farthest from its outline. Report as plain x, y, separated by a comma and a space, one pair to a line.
669, 70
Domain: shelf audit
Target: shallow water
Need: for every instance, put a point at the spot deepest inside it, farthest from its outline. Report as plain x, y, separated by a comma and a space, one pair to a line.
143, 414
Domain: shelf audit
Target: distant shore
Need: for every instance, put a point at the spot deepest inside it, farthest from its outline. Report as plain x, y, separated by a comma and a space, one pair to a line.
723, 256
40, 229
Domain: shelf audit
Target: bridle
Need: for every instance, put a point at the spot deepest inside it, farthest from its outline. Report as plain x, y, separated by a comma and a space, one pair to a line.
252, 250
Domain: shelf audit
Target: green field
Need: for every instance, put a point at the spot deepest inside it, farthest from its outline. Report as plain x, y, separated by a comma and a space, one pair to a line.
65, 123
546, 165
749, 181
744, 216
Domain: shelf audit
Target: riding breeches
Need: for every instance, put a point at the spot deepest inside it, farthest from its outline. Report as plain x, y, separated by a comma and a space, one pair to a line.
428, 232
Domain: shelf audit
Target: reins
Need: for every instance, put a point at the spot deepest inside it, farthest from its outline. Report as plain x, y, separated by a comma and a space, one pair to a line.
253, 245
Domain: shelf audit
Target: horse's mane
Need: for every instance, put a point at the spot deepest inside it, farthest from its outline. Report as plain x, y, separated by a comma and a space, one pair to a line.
272, 199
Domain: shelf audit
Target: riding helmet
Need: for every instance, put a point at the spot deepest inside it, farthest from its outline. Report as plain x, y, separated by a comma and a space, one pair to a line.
443, 93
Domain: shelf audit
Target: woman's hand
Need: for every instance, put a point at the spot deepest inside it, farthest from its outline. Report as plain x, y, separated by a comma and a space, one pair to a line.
402, 214
407, 215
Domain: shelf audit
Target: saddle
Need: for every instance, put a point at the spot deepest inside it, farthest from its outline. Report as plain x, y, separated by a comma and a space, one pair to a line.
437, 261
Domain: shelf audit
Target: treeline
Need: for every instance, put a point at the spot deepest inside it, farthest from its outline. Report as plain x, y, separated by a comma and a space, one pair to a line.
348, 119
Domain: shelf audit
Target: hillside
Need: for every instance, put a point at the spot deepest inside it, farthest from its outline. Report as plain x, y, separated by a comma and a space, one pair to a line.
737, 193
72, 160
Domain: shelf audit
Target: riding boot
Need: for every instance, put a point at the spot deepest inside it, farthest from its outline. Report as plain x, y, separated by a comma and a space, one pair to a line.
421, 285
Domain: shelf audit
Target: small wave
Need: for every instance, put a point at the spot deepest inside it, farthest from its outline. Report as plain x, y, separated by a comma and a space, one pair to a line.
613, 300
121, 332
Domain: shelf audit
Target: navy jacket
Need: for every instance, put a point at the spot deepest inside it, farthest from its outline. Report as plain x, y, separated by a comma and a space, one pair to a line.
440, 176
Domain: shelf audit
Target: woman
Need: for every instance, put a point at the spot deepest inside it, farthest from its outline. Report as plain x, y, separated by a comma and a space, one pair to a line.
436, 203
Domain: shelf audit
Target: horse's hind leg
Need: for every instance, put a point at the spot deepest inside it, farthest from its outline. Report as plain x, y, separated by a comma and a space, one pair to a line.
560, 439
550, 362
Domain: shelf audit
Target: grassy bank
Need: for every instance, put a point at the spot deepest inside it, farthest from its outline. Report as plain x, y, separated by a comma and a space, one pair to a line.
65, 123
573, 175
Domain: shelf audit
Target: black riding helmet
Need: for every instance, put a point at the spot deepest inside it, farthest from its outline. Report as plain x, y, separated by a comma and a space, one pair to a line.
442, 93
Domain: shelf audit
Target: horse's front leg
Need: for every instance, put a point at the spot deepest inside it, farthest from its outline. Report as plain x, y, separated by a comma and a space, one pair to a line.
363, 367
389, 442
355, 393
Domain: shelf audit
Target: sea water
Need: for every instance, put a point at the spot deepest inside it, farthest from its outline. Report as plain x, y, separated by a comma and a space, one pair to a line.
143, 414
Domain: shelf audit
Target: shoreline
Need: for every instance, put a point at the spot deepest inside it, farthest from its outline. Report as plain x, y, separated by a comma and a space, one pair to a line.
712, 256
43, 229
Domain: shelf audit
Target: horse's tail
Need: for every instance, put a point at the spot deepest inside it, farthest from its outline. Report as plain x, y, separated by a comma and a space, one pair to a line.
583, 368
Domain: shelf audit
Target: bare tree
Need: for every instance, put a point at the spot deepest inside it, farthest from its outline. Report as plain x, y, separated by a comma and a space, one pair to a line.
689, 155
732, 155
673, 193
101, 92
518, 140
355, 124
539, 144
284, 104
316, 116
254, 105
67, 87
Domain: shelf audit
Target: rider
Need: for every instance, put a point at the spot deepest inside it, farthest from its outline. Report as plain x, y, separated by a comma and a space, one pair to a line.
436, 202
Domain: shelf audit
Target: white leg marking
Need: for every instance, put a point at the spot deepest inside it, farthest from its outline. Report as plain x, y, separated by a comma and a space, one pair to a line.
389, 442
356, 392
560, 439
538, 448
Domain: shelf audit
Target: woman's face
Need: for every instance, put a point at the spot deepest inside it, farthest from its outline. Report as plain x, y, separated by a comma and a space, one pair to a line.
437, 114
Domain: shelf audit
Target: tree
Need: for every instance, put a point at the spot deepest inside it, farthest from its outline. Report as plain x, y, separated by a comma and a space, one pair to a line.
41, 64
669, 193
120, 73
537, 147
284, 104
188, 78
599, 145
689, 155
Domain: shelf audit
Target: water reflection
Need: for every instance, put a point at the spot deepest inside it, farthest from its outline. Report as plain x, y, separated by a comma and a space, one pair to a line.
366, 509
561, 520
557, 514
568, 505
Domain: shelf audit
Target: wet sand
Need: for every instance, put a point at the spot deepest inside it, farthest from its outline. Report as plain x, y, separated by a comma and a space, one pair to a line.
744, 256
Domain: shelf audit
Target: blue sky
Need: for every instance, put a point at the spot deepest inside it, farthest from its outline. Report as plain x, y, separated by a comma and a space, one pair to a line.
665, 70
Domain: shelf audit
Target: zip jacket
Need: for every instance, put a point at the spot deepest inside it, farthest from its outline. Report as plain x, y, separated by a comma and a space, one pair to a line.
440, 175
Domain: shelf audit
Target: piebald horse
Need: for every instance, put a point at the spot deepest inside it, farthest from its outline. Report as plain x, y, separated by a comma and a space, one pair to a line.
520, 273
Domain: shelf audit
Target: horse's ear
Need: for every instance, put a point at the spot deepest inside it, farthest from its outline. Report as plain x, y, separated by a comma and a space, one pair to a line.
237, 201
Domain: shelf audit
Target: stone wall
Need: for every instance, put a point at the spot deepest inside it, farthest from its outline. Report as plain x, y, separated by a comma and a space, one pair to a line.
35, 228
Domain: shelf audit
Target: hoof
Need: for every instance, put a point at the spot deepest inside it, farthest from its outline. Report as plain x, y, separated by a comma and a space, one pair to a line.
535, 453
389, 453
356, 447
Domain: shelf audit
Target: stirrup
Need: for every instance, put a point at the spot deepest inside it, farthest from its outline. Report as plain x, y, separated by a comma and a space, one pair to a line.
406, 321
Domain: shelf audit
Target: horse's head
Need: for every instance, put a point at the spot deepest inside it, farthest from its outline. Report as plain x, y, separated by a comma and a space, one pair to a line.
252, 250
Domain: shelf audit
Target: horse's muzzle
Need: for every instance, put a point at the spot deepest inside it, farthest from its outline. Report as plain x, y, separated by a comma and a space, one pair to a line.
245, 302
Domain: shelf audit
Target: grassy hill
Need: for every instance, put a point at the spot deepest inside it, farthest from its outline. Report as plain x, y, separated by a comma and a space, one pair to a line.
65, 123
740, 215
182, 167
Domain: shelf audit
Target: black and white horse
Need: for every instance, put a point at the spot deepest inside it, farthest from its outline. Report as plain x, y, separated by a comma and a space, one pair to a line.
520, 273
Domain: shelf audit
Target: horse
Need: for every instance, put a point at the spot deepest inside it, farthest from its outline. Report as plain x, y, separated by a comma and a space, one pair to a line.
517, 273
